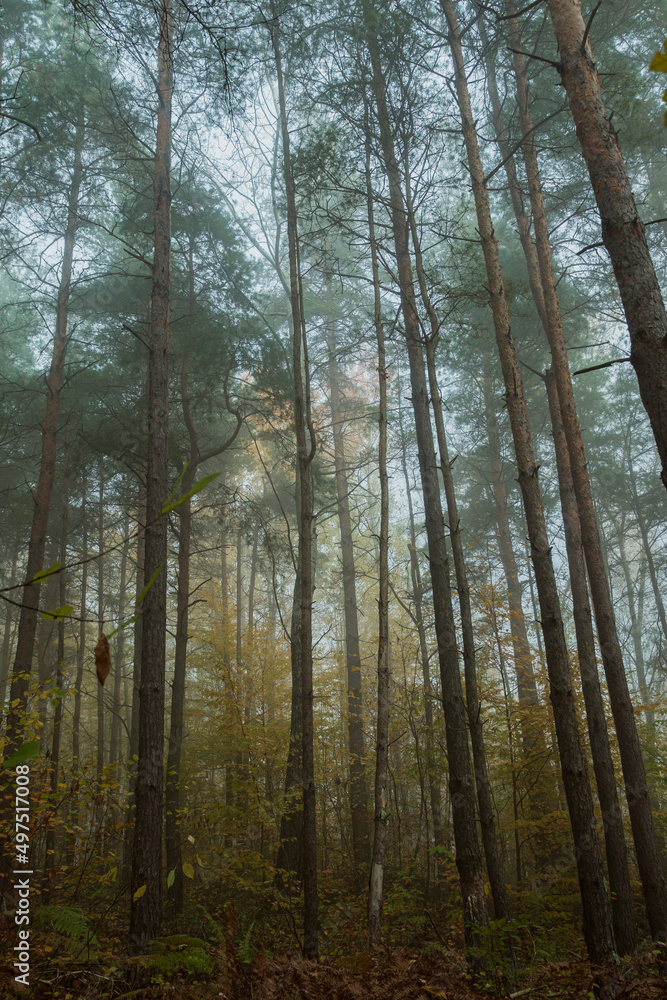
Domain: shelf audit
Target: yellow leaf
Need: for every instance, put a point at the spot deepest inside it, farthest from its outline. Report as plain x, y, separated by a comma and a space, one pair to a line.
659, 61
139, 893
188, 870
191, 838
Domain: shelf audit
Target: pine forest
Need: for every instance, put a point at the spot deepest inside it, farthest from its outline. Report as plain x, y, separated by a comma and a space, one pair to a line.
333, 566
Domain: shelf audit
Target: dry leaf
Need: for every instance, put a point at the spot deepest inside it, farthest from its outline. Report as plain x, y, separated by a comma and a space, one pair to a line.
102, 658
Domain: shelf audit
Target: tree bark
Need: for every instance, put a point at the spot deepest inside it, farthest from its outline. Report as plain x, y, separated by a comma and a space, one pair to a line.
418, 601
635, 630
115, 736
523, 661
305, 455
486, 812
146, 909
625, 239
643, 531
461, 783
289, 857
355, 726
7, 634
133, 748
598, 931
100, 629
49, 874
381, 812
622, 910
648, 857
78, 684
18, 694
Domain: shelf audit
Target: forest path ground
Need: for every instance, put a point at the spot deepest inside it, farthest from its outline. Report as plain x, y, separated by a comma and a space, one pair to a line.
397, 974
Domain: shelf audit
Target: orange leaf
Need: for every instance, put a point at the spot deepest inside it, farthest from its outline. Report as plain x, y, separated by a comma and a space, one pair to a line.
102, 658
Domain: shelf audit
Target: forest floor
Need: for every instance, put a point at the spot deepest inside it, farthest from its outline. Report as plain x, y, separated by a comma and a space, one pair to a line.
393, 974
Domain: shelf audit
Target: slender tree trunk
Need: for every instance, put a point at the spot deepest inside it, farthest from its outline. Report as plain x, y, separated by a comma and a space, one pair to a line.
475, 723
133, 748
635, 629
50, 843
305, 455
100, 629
418, 599
78, 684
643, 531
381, 816
461, 783
510, 744
115, 737
523, 661
625, 239
625, 931
18, 695
252, 583
172, 789
355, 724
7, 634
598, 931
146, 909
648, 856
290, 848
622, 908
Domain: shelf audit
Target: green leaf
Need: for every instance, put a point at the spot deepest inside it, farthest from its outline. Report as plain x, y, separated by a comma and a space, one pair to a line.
171, 878
178, 483
126, 623
61, 612
150, 582
25, 752
188, 870
199, 485
139, 893
43, 573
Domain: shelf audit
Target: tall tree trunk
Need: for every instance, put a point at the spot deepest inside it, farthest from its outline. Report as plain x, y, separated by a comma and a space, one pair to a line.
49, 874
172, 788
635, 628
355, 724
115, 736
648, 856
20, 682
475, 723
7, 633
146, 909
541, 268
305, 454
523, 661
100, 629
598, 931
625, 239
418, 599
643, 531
78, 684
252, 583
625, 931
381, 812
289, 857
133, 748
461, 783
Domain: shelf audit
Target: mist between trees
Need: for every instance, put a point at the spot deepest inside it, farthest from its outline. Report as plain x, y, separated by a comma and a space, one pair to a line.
333, 368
